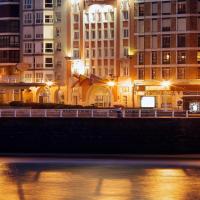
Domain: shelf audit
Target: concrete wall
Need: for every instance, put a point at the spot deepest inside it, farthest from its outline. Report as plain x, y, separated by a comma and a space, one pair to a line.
141, 136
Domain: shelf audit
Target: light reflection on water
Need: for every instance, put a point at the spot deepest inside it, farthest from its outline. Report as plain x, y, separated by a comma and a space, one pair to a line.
30, 179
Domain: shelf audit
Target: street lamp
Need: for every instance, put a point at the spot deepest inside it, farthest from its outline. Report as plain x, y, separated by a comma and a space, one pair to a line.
165, 85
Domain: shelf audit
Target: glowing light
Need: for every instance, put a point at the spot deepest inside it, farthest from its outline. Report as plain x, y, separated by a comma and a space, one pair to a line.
111, 83
165, 83
78, 67
127, 84
148, 102
49, 83
100, 8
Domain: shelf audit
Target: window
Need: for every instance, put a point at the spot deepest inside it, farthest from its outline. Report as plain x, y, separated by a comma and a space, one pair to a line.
154, 42
181, 57
105, 52
198, 6
112, 52
125, 51
112, 16
166, 24
153, 73
39, 77
76, 35
141, 9
48, 47
106, 16
28, 18
181, 24
58, 17
87, 53
93, 35
86, 17
48, 3
198, 23
105, 34
99, 34
181, 7
87, 35
154, 25
166, 41
125, 33
198, 57
140, 74
27, 4
112, 34
198, 40
180, 73
76, 18
99, 53
39, 18
48, 19
124, 70
28, 47
166, 73
125, 15
154, 57
140, 42
166, 8
181, 40
154, 8
198, 73
48, 62
166, 57
141, 58
59, 3
141, 26
76, 53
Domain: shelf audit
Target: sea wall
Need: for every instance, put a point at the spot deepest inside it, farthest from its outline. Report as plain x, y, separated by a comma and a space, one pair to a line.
141, 136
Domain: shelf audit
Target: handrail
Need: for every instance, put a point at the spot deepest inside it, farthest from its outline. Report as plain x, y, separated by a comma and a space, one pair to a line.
96, 113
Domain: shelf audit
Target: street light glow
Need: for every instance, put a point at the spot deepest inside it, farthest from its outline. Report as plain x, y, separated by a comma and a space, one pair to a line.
49, 83
111, 83
165, 83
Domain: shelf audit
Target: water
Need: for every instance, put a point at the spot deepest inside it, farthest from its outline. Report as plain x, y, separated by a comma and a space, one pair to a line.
84, 179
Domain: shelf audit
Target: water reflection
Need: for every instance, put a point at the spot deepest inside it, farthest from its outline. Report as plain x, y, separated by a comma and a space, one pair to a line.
67, 181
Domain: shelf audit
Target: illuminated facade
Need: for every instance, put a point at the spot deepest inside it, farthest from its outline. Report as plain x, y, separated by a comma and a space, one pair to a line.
167, 41
111, 52
136, 45
43, 32
100, 51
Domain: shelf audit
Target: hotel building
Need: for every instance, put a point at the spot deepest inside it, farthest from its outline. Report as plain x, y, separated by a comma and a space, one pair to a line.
134, 53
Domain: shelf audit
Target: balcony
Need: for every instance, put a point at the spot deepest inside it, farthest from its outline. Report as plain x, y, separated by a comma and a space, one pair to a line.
10, 79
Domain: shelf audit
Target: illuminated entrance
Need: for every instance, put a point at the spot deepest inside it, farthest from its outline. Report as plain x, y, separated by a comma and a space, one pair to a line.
99, 96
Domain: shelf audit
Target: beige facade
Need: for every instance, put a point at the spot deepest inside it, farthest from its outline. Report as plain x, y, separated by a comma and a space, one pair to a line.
137, 45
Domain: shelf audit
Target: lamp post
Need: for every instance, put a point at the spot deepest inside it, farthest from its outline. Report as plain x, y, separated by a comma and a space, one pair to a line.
165, 85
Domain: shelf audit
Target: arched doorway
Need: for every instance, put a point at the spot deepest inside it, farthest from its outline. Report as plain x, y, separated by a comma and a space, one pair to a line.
28, 96
59, 96
99, 96
43, 95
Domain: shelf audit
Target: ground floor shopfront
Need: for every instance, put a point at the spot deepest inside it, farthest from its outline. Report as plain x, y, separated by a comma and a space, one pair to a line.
32, 92
135, 94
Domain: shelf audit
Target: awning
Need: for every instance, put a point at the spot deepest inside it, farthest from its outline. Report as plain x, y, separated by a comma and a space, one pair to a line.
19, 85
185, 87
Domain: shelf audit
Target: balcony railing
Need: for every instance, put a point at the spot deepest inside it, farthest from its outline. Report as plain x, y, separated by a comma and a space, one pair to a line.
9, 79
